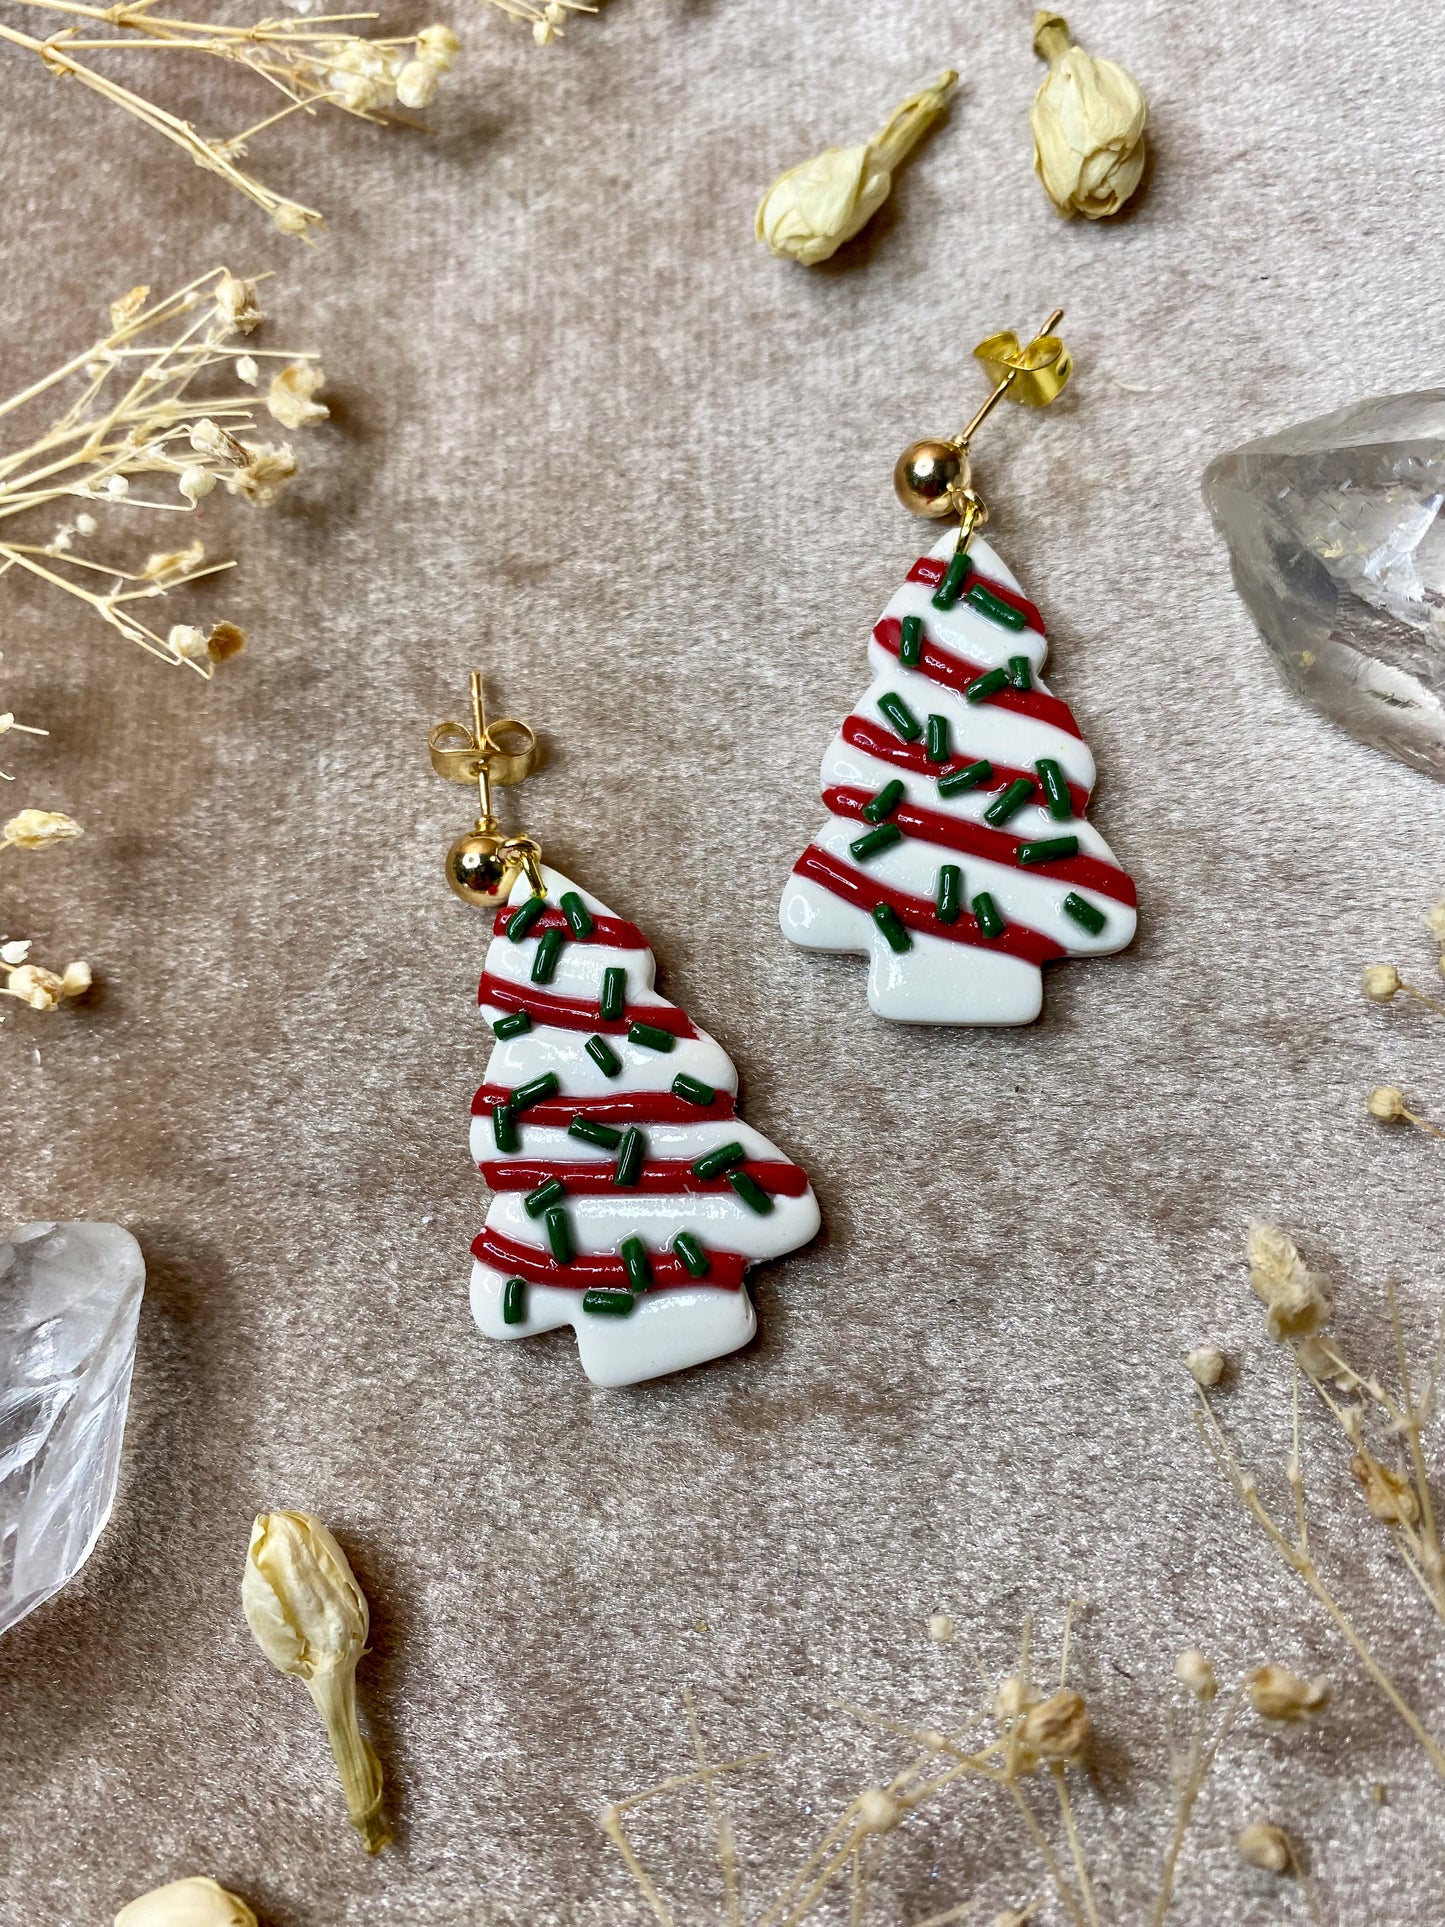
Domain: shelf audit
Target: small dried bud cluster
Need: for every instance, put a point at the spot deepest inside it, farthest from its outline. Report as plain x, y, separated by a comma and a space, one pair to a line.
812, 209
878, 1811
1277, 1694
1052, 1729
366, 78
1380, 983
196, 1902
1389, 1496
1293, 1296
290, 398
1387, 1103
1088, 122
940, 1628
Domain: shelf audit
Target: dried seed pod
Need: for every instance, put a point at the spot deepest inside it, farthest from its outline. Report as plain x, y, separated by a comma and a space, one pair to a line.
1263, 1845
310, 1619
1088, 120
812, 209
1276, 1693
196, 1902
1058, 1727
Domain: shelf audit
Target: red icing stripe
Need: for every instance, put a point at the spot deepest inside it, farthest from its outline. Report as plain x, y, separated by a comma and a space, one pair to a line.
575, 1013
919, 914
930, 572
890, 748
657, 1175
612, 931
955, 672
623, 1107
998, 846
601, 1268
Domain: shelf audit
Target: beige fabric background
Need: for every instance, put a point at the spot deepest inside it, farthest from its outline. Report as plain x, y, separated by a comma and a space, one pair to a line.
590, 435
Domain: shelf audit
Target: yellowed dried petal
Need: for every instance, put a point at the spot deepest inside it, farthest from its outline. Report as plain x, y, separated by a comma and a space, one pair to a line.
1058, 1727
38, 989
237, 306
290, 396
1390, 1498
265, 472
39, 829
1088, 121
1263, 1845
78, 979
168, 566
196, 1902
812, 209
127, 308
1276, 1693
225, 641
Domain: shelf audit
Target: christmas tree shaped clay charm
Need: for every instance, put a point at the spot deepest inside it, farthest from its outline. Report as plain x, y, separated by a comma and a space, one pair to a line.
957, 856
631, 1200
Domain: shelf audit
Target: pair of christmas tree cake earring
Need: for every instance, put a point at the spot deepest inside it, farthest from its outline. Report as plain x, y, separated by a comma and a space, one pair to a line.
630, 1200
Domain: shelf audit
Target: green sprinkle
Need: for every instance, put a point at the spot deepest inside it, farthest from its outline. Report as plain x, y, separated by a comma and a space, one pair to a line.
692, 1090
603, 1056
1056, 789
884, 803
751, 1192
721, 1158
1020, 672
576, 913
954, 576
590, 1132
522, 919
901, 716
534, 1091
544, 1197
950, 893
630, 1156
691, 1253
1048, 849
559, 1235
959, 780
549, 949
910, 641
990, 917
1084, 912
864, 848
1010, 801
504, 1128
517, 1025
608, 1304
650, 1037
514, 1301
614, 993
891, 924
639, 1265
936, 745
985, 686
996, 609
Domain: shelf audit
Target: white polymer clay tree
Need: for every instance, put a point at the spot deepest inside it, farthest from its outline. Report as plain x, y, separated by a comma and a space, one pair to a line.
631, 1199
956, 855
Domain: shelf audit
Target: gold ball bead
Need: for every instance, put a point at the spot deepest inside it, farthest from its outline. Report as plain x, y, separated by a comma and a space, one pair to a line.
478, 872
926, 475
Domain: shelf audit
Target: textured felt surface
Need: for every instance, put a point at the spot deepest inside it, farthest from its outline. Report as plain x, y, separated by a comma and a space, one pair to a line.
590, 435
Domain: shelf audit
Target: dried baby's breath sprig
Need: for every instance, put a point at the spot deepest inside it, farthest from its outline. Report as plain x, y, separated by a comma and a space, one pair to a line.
1206, 1364
1294, 1297
311, 64
812, 209
1088, 120
151, 403
37, 988
196, 1902
1382, 983
548, 20
310, 1619
1396, 1497
1041, 1738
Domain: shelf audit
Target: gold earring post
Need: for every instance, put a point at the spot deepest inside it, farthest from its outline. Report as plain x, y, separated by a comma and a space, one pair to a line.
482, 866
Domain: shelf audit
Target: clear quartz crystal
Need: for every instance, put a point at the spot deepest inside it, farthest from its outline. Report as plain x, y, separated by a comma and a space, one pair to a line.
1337, 543
69, 1300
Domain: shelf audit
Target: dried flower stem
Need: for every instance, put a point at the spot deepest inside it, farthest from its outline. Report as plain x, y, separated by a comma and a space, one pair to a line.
310, 63
134, 415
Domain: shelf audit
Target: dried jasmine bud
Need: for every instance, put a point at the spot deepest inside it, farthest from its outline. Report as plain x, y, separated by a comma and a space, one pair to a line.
1088, 120
809, 212
310, 1619
196, 1902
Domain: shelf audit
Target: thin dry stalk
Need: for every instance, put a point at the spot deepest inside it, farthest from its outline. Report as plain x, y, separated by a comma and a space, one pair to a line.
311, 64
